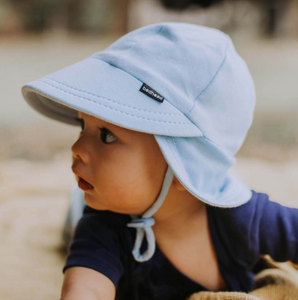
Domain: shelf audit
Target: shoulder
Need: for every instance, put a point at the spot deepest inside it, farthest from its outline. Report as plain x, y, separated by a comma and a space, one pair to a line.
234, 225
242, 215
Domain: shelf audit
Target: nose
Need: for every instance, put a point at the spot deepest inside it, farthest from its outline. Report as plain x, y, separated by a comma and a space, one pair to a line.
80, 151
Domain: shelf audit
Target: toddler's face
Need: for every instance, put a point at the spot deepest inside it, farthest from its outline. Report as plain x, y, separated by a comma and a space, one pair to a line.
126, 168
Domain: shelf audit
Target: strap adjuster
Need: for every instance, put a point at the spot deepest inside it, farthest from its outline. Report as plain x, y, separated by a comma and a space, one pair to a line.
141, 223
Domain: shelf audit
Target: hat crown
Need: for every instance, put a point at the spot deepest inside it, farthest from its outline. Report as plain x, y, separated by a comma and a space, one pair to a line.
196, 69
176, 59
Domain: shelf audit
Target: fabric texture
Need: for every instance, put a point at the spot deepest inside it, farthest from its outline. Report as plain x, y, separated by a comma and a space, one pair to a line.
182, 82
240, 236
276, 281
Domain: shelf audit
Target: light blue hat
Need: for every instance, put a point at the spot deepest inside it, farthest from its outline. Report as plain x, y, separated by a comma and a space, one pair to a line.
184, 83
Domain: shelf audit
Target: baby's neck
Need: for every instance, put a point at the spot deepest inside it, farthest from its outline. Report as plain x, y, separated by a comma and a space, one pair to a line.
178, 217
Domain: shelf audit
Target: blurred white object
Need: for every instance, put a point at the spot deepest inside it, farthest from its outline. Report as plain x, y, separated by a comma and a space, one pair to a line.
75, 212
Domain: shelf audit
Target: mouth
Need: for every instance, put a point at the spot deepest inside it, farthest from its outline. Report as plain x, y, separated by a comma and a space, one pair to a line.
84, 185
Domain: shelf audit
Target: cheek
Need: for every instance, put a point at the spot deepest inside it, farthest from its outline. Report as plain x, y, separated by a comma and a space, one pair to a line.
127, 183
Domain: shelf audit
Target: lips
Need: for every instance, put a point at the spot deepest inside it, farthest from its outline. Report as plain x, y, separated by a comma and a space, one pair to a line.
82, 180
84, 185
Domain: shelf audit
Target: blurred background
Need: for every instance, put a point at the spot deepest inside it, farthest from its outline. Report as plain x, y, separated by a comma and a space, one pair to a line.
38, 37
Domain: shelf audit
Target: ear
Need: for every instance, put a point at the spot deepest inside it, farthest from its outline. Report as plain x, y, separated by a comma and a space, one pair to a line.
178, 185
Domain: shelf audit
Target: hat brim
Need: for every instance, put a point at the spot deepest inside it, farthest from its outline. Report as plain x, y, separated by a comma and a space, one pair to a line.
202, 168
97, 88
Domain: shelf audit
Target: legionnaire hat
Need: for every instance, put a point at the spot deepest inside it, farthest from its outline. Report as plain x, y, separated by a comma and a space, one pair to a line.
182, 82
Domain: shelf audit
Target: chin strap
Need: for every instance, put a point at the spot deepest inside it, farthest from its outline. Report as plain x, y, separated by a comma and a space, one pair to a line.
143, 225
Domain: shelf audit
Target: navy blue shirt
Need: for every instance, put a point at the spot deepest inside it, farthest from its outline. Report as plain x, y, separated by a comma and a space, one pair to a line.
103, 242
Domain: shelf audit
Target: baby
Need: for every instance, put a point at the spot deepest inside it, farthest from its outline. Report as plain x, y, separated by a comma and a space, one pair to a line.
163, 111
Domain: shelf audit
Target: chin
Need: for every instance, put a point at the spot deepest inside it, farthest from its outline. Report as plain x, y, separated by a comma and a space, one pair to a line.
94, 204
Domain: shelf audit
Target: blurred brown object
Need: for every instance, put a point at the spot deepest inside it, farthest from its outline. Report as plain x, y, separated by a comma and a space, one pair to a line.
122, 8
275, 281
274, 11
93, 16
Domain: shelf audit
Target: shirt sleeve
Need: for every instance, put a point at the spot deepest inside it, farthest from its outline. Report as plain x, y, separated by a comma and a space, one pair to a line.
96, 244
274, 231
258, 227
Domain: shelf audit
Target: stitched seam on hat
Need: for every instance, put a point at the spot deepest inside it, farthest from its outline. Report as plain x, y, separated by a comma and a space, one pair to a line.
152, 112
114, 108
212, 78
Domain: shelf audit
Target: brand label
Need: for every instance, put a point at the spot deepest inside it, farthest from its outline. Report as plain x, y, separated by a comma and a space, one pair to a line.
147, 90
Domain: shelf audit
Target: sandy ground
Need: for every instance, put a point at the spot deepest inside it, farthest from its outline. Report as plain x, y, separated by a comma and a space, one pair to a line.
34, 199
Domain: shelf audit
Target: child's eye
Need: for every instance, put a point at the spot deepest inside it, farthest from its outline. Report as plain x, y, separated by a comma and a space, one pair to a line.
107, 136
